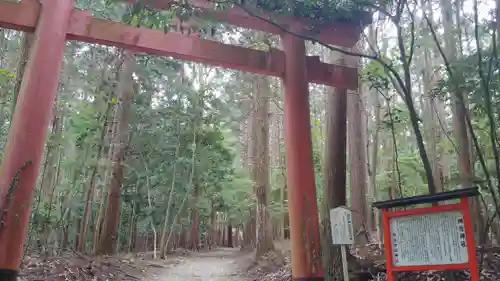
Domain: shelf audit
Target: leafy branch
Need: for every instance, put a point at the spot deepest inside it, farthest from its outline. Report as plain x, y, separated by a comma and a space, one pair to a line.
461, 104
404, 83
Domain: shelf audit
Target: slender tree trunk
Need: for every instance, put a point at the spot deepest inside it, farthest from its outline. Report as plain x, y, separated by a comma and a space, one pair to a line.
229, 235
50, 159
181, 206
48, 178
357, 163
213, 226
375, 146
283, 189
132, 228
150, 204
164, 233
3, 46
110, 127
89, 194
260, 143
431, 115
283, 213
108, 239
77, 233
195, 214
48, 229
459, 110
276, 140
250, 230
99, 222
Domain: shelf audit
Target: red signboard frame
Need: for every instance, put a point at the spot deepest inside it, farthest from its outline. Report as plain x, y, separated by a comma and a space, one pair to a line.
463, 207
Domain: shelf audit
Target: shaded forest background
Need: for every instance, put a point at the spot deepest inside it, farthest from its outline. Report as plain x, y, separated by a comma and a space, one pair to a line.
153, 154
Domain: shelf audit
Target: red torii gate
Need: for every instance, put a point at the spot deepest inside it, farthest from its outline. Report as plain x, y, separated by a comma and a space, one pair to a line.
56, 21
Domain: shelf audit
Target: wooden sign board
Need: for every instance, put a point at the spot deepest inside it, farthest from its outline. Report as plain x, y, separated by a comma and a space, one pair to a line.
342, 233
430, 238
341, 226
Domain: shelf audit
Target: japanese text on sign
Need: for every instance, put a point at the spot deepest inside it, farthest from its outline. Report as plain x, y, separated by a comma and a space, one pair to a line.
430, 239
341, 222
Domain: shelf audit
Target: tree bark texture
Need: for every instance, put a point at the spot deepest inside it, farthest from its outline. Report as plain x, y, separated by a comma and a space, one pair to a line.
334, 186
260, 167
358, 174
108, 237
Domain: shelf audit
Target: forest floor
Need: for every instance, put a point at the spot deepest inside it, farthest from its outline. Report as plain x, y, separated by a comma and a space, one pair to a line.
223, 264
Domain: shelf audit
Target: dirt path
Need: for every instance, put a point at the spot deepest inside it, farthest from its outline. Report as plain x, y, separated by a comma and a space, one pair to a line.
217, 265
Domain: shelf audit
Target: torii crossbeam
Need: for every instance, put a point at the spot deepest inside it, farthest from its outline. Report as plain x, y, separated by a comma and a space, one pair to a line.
56, 21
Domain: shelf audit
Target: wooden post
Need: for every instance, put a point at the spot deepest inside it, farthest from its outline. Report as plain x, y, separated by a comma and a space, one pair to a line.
303, 210
387, 245
345, 269
26, 139
471, 243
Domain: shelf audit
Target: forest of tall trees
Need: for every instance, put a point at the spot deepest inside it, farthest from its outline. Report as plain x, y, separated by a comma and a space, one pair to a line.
154, 154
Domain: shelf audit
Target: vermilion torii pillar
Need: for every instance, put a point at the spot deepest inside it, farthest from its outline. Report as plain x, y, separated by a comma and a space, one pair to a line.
25, 144
302, 206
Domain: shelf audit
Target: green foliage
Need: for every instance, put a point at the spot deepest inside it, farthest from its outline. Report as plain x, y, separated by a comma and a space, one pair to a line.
184, 129
375, 75
167, 111
319, 11
6, 76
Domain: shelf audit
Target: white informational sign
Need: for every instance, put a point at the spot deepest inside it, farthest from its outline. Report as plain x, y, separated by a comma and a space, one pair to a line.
341, 222
429, 239
342, 233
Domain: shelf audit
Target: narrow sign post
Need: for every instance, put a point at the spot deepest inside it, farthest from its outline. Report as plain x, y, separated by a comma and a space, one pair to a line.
342, 233
345, 269
430, 238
